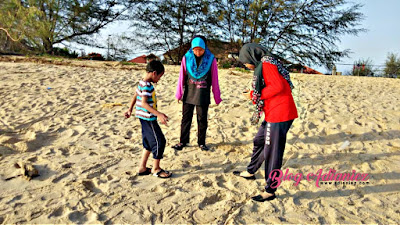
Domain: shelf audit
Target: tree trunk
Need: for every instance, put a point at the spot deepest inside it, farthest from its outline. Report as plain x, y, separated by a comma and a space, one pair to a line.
47, 46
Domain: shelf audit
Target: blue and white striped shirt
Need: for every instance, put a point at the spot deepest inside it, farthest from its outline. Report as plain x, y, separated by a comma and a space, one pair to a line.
146, 89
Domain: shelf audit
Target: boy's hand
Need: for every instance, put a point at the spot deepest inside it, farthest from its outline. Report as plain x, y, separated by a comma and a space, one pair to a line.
128, 114
163, 118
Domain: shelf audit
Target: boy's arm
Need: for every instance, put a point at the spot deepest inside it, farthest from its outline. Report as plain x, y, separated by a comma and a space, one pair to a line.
129, 112
163, 118
133, 102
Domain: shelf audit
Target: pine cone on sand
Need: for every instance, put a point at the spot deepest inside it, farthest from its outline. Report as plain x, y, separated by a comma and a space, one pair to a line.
28, 170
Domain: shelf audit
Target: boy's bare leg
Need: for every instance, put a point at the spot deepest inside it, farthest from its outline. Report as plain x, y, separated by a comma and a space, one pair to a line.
143, 163
156, 165
157, 168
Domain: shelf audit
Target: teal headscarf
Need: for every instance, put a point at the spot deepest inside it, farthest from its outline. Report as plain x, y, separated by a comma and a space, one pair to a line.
198, 72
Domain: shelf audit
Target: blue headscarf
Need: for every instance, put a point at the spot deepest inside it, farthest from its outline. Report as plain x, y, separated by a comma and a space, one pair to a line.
198, 73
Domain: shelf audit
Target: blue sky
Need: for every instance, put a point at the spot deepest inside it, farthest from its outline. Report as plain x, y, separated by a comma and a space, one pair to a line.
383, 36
382, 20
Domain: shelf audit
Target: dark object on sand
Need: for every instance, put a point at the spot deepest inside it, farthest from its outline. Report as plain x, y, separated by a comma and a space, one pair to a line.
28, 171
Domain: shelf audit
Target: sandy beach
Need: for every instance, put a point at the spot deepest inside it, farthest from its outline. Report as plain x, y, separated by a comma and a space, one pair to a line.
68, 121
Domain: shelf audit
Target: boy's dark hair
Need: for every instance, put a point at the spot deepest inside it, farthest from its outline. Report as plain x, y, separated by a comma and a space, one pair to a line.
151, 57
155, 65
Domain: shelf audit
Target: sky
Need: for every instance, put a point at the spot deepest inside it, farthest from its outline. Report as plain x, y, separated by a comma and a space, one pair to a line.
382, 19
383, 36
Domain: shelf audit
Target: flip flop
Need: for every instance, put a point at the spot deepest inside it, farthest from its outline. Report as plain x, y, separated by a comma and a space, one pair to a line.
162, 171
259, 198
147, 172
237, 173
179, 146
204, 147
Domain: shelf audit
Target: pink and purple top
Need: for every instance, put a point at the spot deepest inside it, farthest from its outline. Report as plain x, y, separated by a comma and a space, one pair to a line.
214, 81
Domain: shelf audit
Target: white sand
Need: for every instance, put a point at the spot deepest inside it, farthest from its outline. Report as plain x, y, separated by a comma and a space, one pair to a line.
88, 155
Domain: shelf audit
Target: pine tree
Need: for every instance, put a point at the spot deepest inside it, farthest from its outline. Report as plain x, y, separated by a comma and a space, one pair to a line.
44, 23
392, 66
168, 24
302, 31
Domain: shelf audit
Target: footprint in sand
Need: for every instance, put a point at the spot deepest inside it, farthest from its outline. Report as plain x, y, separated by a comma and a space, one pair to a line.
61, 177
220, 181
212, 199
67, 165
78, 217
16, 198
89, 185
56, 213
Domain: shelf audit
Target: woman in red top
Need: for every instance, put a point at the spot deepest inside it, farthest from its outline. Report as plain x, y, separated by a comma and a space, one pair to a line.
272, 96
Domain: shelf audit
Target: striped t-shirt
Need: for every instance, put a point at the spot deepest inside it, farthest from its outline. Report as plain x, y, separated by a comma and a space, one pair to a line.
145, 89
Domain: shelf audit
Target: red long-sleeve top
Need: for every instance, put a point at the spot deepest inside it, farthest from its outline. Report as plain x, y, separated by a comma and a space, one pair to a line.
279, 105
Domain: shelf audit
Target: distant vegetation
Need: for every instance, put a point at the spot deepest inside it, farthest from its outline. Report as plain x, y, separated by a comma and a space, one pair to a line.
363, 68
392, 66
36, 26
128, 63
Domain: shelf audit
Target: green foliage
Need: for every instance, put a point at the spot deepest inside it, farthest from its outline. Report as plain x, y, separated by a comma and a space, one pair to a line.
392, 66
167, 24
42, 23
229, 63
242, 70
302, 31
226, 65
128, 63
362, 67
65, 52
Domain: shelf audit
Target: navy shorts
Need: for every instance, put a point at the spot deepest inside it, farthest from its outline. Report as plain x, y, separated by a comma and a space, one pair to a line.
153, 138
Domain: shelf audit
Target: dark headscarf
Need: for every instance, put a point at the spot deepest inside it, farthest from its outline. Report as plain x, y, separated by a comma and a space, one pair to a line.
253, 53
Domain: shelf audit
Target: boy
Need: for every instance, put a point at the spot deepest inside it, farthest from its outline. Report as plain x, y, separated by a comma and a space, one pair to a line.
146, 110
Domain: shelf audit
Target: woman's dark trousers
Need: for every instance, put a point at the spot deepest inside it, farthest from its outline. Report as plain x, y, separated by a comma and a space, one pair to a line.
187, 115
269, 146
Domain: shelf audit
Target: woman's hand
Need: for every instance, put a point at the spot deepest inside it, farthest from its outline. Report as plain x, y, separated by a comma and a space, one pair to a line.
247, 94
179, 101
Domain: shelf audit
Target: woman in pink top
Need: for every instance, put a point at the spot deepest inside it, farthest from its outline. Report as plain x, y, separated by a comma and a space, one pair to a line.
199, 72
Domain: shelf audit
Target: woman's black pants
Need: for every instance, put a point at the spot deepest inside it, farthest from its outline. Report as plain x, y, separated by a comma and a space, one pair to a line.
269, 145
187, 115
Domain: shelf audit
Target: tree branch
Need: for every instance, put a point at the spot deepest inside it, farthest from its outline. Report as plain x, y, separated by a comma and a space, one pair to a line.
8, 35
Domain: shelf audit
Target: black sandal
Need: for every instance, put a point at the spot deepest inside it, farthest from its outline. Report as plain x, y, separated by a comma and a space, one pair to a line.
147, 172
237, 173
259, 198
179, 146
204, 147
169, 174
